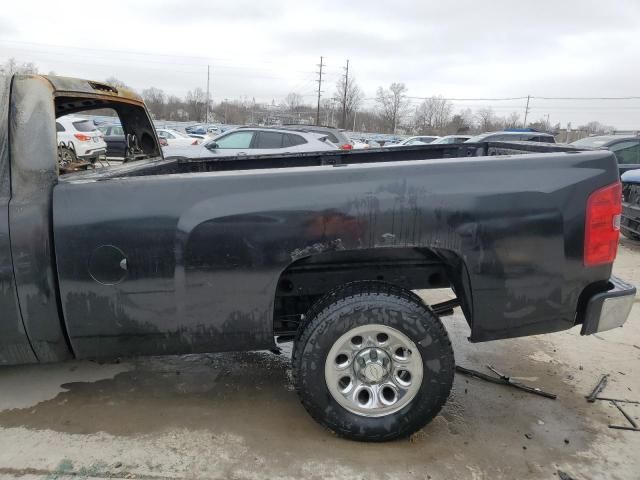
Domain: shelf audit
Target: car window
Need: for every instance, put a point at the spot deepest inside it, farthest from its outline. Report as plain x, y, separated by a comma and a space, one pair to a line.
165, 134
332, 138
117, 130
235, 140
84, 126
291, 140
269, 140
59, 127
627, 152
541, 138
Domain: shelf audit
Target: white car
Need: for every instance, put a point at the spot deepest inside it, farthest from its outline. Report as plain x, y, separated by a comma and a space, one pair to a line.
418, 140
358, 145
254, 141
451, 139
78, 138
175, 138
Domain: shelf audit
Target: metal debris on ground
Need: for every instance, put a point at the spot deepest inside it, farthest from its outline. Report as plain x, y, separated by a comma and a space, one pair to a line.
594, 395
504, 380
564, 476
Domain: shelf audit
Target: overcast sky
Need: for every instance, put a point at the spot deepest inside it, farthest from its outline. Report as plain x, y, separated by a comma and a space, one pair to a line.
265, 49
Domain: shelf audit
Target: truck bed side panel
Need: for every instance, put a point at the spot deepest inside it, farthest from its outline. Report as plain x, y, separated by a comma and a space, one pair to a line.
190, 262
14, 345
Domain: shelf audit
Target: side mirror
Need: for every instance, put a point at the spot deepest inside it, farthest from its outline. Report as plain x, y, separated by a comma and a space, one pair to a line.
211, 145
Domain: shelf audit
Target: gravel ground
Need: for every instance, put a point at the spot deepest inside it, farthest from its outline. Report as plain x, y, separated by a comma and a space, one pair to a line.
236, 416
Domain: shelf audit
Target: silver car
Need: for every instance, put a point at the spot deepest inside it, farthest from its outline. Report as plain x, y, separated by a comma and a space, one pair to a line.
254, 141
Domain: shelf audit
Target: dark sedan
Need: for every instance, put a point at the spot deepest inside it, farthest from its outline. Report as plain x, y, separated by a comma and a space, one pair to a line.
625, 147
114, 137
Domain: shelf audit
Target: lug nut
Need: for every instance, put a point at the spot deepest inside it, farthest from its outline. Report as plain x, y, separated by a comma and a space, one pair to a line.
373, 354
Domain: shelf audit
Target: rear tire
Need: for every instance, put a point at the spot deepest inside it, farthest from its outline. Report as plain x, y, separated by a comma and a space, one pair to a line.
373, 362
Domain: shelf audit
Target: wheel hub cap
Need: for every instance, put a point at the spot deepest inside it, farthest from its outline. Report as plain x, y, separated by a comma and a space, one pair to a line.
371, 365
373, 370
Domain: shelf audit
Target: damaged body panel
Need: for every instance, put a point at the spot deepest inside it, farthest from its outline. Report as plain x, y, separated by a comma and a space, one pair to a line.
169, 256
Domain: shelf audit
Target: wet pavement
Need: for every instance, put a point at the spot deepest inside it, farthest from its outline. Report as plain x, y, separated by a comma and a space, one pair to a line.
236, 416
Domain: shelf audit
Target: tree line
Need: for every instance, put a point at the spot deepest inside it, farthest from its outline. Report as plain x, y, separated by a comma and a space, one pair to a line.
392, 110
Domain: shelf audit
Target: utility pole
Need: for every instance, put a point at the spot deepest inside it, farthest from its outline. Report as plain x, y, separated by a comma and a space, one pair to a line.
207, 114
319, 89
344, 97
526, 112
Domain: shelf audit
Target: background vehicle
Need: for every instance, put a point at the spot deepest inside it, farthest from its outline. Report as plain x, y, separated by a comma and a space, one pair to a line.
254, 141
358, 144
80, 138
335, 135
197, 129
451, 139
114, 138
506, 136
417, 140
175, 138
630, 223
625, 147
320, 248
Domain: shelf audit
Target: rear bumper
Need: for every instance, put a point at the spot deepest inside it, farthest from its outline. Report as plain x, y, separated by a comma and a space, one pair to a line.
610, 309
93, 155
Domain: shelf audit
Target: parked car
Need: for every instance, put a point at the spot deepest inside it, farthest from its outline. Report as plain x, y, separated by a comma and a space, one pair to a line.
630, 222
114, 138
254, 141
359, 144
335, 135
175, 138
79, 139
511, 136
179, 257
625, 147
451, 139
417, 140
199, 129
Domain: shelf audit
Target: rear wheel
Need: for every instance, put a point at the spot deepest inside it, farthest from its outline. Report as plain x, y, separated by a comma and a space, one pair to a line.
373, 362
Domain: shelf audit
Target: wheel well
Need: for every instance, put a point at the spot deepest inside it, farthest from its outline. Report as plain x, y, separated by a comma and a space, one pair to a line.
306, 280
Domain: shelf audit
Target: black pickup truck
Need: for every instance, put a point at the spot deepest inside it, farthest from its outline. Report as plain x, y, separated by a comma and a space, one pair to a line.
171, 256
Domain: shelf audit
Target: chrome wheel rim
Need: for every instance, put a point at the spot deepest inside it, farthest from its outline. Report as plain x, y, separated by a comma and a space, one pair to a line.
373, 370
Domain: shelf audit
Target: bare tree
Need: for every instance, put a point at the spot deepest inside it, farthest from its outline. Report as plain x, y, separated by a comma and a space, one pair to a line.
461, 122
512, 121
349, 97
196, 101
12, 67
115, 82
155, 100
486, 119
293, 101
595, 127
393, 104
433, 115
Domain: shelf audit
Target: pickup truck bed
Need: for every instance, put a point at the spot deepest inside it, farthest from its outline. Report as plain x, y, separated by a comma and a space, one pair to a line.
172, 256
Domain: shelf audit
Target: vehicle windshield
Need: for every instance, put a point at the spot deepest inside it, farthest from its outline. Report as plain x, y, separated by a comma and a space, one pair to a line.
591, 142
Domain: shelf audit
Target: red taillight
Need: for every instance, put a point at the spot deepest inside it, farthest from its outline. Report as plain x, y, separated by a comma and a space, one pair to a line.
602, 227
82, 137
346, 146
